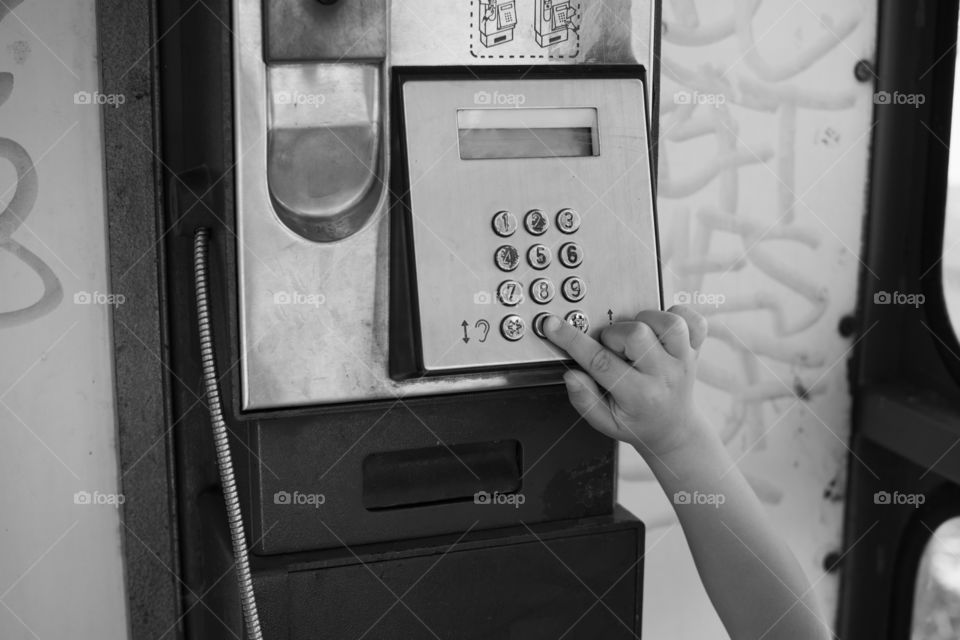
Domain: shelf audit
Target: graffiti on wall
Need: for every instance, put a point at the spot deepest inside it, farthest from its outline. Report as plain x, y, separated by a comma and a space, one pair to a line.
22, 196
726, 255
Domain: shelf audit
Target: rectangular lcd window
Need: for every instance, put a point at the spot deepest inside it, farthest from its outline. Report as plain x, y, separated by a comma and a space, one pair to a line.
528, 133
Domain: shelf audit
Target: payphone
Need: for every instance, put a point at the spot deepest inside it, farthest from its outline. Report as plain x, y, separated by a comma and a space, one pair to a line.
415, 187
498, 21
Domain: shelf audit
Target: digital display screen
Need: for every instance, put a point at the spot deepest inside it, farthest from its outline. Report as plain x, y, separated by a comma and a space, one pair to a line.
527, 133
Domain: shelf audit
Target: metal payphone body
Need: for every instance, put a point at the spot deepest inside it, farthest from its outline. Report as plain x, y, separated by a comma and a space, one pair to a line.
312, 133
414, 184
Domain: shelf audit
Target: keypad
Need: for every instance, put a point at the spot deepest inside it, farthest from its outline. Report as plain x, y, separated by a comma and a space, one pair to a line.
540, 279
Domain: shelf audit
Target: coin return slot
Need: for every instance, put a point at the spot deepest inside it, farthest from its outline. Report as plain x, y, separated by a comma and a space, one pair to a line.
436, 475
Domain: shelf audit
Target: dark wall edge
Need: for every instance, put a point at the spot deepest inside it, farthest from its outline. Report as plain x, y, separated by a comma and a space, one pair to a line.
127, 38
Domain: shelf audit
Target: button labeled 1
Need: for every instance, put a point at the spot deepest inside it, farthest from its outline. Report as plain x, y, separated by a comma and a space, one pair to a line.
505, 224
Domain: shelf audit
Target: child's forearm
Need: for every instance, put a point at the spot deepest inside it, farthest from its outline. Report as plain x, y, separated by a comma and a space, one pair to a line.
751, 576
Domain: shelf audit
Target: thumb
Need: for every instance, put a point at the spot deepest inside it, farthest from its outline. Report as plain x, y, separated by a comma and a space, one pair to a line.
586, 398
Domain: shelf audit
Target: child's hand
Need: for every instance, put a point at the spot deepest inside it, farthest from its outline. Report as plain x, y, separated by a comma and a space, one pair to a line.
647, 366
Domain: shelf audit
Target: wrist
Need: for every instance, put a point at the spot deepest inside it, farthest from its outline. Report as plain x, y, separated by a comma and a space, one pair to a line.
689, 434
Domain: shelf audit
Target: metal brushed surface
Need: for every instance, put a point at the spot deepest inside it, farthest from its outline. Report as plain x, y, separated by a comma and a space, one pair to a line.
454, 201
314, 315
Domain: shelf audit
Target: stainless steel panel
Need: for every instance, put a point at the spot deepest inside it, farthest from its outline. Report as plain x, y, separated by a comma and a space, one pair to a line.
313, 315
454, 203
325, 168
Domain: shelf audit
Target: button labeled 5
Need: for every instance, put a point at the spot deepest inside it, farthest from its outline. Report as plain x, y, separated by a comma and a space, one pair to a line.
539, 256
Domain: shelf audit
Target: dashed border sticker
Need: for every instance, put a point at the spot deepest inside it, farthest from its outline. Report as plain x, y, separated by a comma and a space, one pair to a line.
518, 56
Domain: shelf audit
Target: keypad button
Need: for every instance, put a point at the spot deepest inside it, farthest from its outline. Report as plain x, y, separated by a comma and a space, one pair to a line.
505, 224
510, 293
507, 257
568, 220
571, 255
579, 320
536, 222
573, 289
538, 321
542, 290
513, 327
539, 256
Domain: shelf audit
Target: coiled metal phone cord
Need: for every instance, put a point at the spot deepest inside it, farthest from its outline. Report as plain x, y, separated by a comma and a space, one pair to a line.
224, 460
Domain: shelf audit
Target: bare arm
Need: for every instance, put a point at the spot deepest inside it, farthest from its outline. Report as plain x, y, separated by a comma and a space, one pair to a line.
648, 369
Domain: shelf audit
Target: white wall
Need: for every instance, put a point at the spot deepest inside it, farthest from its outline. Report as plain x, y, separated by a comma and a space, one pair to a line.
763, 158
60, 562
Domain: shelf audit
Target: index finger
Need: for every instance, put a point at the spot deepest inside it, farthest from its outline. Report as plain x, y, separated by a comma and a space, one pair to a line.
604, 366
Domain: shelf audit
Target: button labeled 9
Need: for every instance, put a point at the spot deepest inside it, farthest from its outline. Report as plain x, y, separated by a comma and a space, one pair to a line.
573, 289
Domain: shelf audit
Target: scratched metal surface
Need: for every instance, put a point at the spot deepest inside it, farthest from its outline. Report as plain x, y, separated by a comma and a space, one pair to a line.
763, 161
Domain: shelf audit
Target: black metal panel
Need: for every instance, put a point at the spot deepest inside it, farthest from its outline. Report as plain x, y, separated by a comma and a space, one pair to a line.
886, 540
128, 66
567, 468
537, 582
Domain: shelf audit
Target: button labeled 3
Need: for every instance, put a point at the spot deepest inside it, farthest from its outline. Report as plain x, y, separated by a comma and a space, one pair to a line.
568, 220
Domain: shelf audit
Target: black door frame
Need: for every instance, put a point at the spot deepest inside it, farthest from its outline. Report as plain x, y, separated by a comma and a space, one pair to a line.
905, 373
